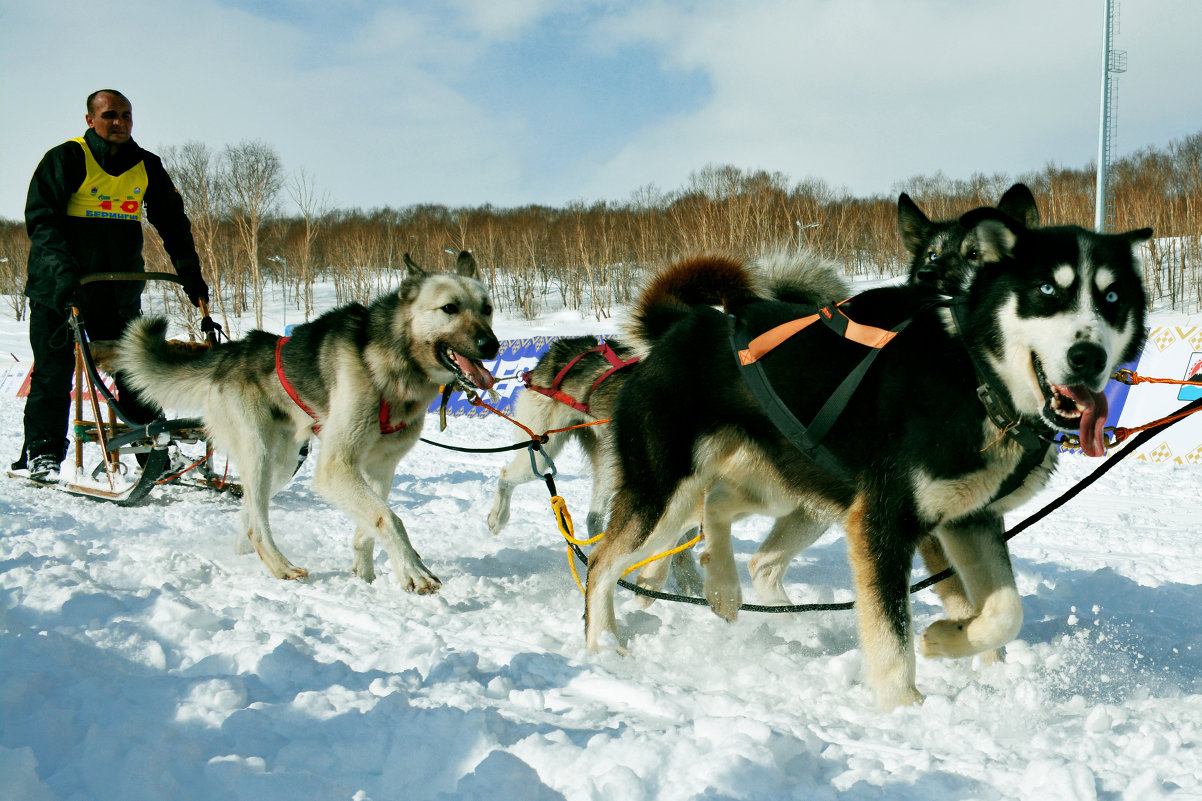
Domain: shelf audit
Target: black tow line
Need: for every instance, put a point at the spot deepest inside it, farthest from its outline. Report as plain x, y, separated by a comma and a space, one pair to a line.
1071, 493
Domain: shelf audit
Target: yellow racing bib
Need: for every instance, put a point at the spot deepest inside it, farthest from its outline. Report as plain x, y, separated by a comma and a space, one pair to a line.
104, 196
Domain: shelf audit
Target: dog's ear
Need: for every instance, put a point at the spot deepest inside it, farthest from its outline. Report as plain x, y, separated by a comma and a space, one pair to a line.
1137, 236
989, 235
1019, 203
465, 265
912, 224
412, 267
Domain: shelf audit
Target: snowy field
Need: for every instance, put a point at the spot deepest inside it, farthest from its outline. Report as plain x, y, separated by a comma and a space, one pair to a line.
141, 659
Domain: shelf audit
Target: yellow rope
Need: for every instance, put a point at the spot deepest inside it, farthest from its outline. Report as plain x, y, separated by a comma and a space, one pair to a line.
564, 519
560, 507
671, 552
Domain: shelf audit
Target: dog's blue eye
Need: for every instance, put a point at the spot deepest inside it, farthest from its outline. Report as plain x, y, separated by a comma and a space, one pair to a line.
451, 308
1112, 297
1048, 289
932, 256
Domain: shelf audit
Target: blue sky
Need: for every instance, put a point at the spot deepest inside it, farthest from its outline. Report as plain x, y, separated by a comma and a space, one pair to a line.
505, 102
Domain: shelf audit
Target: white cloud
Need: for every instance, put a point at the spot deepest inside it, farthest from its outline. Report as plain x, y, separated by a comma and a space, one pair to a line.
398, 103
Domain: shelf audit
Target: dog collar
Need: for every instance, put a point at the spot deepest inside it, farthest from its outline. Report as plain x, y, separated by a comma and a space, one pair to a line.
994, 398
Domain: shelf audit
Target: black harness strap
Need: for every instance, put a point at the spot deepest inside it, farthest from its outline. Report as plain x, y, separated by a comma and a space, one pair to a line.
808, 439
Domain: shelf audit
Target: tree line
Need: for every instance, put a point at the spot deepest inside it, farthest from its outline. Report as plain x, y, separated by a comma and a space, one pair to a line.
591, 256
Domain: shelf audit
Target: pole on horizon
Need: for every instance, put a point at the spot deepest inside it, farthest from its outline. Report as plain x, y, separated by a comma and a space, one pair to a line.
1113, 61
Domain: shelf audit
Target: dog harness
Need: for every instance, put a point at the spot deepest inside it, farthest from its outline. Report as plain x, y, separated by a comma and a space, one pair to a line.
808, 439
555, 393
386, 424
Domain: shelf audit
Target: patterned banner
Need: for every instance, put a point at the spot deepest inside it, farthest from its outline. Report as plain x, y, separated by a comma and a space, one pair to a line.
515, 357
1173, 351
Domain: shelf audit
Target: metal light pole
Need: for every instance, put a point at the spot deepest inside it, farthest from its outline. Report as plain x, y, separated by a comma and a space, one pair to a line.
1113, 61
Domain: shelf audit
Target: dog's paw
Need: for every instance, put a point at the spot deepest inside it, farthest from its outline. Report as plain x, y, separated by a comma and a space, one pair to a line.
644, 601
419, 580
607, 642
991, 657
363, 563
651, 577
496, 522
243, 545
902, 696
725, 601
291, 572
946, 639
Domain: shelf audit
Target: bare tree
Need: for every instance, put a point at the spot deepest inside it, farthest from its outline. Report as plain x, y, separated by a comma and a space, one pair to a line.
14, 259
254, 177
197, 175
313, 208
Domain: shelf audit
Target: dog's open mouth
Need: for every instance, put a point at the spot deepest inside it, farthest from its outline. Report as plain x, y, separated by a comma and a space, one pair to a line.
468, 371
1075, 408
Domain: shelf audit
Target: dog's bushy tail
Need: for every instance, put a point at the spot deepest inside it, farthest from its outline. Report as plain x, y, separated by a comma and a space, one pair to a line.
801, 276
171, 377
702, 280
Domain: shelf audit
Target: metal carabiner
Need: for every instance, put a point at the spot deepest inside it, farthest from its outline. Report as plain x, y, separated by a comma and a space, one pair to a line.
1124, 376
534, 446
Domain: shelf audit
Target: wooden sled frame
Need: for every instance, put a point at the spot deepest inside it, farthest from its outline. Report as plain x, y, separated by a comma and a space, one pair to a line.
115, 434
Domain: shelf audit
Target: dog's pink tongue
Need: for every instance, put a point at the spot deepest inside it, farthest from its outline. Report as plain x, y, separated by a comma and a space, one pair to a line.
475, 370
1094, 410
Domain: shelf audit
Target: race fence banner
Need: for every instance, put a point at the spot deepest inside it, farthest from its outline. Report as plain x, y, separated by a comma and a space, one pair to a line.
515, 357
1172, 351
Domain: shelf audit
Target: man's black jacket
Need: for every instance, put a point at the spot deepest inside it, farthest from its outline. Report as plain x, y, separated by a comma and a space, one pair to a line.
66, 248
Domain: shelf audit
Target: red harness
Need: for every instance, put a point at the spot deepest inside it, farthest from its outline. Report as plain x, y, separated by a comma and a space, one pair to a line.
386, 426
555, 393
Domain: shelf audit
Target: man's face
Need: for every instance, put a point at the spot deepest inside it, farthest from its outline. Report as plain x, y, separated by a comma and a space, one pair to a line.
112, 118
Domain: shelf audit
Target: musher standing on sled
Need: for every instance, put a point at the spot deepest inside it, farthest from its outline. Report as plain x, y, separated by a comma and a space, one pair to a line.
84, 215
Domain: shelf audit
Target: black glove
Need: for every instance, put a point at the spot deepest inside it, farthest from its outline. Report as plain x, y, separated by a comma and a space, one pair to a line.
67, 294
194, 283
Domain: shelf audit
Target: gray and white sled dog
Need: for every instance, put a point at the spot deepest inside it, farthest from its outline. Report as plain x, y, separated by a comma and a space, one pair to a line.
947, 429
358, 377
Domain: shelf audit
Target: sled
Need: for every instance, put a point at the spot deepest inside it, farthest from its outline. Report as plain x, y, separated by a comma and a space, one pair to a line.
116, 459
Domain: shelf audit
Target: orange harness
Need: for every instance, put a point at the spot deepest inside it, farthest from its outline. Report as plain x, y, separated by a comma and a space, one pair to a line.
555, 393
386, 424
808, 439
835, 319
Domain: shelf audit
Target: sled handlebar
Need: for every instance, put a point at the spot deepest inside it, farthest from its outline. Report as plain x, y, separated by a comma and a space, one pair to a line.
155, 276
93, 277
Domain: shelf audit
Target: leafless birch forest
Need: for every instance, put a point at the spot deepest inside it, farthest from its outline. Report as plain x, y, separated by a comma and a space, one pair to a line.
266, 234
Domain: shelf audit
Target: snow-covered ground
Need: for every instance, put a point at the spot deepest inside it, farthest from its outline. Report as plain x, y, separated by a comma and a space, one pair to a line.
141, 659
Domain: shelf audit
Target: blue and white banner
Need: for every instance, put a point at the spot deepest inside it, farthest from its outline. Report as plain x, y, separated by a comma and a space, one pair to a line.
515, 357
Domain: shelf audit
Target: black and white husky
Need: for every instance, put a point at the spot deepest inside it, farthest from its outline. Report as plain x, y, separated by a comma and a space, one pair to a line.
360, 378
1046, 315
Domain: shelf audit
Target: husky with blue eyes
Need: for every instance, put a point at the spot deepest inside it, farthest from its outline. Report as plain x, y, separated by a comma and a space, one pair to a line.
905, 413
1070, 303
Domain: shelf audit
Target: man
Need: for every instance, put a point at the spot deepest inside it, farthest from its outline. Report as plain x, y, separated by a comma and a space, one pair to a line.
84, 215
